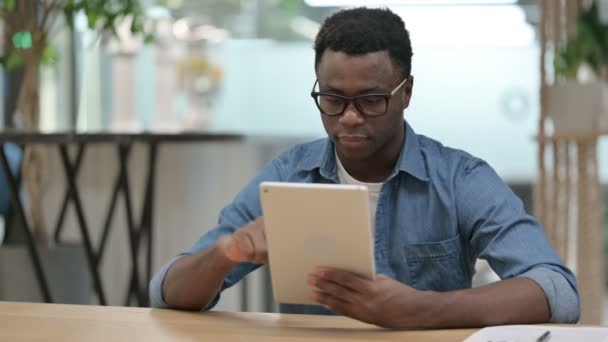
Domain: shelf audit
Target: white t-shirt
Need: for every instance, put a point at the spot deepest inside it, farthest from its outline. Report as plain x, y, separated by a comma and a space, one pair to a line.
373, 189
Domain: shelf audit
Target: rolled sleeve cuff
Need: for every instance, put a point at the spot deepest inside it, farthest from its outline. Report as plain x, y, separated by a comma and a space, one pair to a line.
562, 297
156, 284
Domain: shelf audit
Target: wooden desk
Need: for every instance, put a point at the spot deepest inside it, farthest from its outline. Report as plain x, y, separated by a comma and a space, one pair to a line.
55, 322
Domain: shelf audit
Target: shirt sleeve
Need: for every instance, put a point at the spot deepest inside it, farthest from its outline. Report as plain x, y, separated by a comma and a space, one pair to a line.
493, 219
244, 208
156, 285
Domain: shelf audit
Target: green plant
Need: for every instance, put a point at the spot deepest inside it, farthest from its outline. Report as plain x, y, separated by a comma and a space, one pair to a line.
29, 25
28, 28
589, 46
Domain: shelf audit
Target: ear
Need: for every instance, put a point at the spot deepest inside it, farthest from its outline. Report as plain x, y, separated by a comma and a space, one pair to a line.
407, 92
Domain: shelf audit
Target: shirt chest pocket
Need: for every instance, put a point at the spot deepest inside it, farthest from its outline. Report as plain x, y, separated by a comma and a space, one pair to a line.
437, 266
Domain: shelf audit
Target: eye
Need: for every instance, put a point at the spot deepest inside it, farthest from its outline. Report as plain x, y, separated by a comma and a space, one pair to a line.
331, 99
372, 100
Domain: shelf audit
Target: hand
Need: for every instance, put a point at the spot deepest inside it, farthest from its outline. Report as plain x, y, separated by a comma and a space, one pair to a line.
383, 301
247, 244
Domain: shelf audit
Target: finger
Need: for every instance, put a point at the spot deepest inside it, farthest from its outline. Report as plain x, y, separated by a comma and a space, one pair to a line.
258, 239
333, 289
244, 246
383, 277
253, 232
259, 220
345, 278
231, 249
332, 303
259, 248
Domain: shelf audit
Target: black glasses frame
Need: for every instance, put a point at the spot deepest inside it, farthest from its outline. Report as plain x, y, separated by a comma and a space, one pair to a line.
348, 99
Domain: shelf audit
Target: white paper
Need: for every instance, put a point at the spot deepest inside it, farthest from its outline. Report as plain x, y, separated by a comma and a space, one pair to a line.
530, 333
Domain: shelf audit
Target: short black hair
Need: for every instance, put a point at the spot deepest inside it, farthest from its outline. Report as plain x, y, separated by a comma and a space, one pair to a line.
362, 30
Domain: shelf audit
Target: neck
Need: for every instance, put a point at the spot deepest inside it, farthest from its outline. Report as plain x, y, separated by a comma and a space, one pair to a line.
377, 168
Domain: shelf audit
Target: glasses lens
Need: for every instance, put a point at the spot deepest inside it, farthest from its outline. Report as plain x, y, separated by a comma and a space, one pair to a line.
330, 105
372, 105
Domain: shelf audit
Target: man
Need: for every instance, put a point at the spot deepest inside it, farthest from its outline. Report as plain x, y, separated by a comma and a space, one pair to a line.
436, 209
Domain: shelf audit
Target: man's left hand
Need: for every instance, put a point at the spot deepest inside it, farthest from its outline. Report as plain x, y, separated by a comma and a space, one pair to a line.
382, 301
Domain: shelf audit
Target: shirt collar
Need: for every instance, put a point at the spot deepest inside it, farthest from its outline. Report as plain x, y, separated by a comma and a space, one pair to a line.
410, 160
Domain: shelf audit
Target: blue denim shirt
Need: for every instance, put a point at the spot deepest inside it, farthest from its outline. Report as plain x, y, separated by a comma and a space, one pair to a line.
438, 211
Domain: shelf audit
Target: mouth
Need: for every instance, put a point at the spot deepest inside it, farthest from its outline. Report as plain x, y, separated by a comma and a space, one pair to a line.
353, 140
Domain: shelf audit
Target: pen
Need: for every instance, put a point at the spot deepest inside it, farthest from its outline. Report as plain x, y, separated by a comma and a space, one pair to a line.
544, 337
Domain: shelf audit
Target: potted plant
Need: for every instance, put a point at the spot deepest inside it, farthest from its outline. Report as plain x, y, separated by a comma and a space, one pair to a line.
28, 27
578, 101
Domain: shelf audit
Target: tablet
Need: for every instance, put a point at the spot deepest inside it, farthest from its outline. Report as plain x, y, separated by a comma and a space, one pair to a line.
311, 225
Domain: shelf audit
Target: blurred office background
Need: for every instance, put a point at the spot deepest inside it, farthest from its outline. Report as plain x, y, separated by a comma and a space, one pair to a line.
246, 67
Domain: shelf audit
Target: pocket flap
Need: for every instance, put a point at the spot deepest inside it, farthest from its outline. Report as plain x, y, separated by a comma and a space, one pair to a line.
433, 250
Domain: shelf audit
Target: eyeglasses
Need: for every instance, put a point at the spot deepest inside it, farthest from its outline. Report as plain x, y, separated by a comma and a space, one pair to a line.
367, 104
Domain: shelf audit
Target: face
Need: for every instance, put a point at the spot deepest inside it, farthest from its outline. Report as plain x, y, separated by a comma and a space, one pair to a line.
358, 137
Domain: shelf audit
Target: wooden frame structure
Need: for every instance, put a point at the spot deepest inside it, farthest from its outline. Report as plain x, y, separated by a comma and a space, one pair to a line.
568, 198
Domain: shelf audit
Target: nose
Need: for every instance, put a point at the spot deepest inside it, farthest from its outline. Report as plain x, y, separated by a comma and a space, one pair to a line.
351, 115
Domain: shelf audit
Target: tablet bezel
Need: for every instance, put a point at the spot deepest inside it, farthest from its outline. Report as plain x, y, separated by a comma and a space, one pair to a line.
297, 217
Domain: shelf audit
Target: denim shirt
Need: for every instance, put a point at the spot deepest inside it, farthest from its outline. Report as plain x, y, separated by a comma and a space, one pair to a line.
438, 211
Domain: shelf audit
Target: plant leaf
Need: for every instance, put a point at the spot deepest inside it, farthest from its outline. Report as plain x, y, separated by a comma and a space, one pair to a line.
9, 5
22, 40
50, 56
103, 15
92, 20
13, 61
149, 38
68, 13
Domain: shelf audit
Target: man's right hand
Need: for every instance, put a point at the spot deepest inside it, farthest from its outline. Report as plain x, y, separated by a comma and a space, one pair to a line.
247, 244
